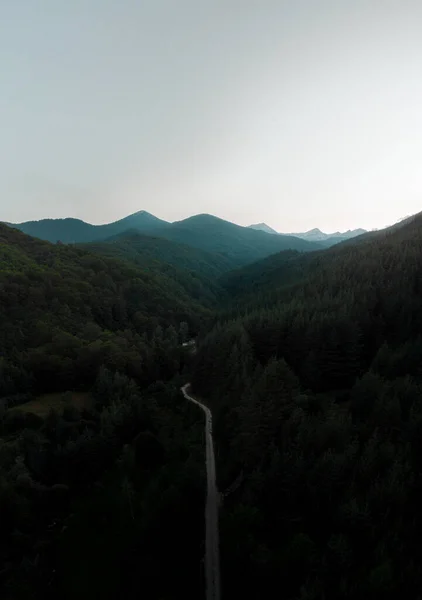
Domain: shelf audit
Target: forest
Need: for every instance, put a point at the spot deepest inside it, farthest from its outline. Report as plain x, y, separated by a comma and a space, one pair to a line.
311, 365
315, 384
98, 487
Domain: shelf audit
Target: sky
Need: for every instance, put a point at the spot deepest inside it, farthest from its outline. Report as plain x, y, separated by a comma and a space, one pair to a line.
297, 113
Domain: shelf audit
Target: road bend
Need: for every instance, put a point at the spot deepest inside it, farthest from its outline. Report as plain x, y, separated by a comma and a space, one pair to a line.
212, 558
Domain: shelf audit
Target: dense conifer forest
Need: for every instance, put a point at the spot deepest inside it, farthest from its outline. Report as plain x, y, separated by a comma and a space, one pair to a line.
311, 365
316, 387
100, 460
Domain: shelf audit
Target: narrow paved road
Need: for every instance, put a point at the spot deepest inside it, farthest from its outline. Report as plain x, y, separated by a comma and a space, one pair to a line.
212, 559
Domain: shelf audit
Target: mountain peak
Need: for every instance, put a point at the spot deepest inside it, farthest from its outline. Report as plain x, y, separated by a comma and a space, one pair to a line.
141, 214
315, 230
263, 227
316, 235
71, 230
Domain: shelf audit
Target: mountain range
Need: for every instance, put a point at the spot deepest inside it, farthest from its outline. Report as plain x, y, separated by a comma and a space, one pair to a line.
314, 235
74, 231
309, 362
234, 244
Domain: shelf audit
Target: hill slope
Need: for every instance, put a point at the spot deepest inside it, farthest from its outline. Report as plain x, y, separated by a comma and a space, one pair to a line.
318, 390
195, 270
61, 308
147, 248
94, 345
282, 269
274, 271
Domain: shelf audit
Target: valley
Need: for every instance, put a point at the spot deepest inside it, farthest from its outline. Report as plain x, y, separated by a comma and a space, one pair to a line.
310, 364
211, 300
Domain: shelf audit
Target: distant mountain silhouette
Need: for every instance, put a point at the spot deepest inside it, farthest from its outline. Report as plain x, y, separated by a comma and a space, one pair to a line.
375, 234
284, 269
314, 235
237, 245
71, 231
263, 227
328, 239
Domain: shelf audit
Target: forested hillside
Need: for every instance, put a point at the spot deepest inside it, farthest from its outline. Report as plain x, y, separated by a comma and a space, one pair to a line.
100, 460
316, 389
65, 311
311, 364
256, 280
273, 276
195, 270
145, 250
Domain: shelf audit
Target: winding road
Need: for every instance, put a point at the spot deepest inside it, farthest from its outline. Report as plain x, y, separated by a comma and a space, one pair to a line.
212, 560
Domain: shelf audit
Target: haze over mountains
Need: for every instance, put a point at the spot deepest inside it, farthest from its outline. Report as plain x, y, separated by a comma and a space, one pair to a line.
264, 227
234, 244
237, 245
74, 231
314, 235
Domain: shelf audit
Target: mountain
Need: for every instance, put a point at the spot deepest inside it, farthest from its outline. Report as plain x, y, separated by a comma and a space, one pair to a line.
316, 388
316, 235
352, 233
71, 231
264, 227
379, 234
240, 245
236, 244
282, 270
74, 231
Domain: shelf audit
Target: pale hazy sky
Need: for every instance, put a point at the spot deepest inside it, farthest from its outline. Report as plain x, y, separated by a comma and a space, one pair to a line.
299, 113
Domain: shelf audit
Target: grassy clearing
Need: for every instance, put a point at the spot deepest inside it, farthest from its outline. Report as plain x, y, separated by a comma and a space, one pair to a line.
42, 405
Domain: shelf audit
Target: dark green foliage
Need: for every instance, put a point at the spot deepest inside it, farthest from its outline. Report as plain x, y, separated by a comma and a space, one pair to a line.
284, 268
99, 504
321, 413
192, 269
93, 501
64, 312
311, 365
148, 251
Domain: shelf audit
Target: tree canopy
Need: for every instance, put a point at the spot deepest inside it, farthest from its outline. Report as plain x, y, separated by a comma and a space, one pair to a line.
311, 364
314, 375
